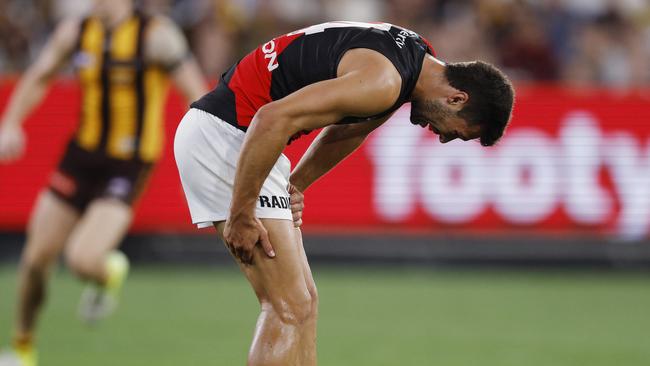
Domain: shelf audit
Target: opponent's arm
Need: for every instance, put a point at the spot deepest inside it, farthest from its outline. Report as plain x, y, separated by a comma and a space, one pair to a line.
333, 144
32, 87
167, 46
367, 84
188, 78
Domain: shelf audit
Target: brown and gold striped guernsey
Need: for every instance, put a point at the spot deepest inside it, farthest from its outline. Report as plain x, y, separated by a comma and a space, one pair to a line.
122, 96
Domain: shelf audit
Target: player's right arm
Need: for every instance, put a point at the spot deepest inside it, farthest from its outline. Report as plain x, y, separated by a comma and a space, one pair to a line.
367, 84
31, 88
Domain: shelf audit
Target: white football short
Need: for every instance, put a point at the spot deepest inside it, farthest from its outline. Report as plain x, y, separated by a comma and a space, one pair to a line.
206, 150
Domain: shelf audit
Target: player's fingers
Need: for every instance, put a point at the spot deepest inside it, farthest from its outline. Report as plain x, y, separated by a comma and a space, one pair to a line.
297, 223
238, 253
266, 244
245, 255
296, 197
264, 240
294, 193
298, 206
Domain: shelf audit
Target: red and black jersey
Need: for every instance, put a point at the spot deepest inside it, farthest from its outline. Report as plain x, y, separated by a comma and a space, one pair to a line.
292, 61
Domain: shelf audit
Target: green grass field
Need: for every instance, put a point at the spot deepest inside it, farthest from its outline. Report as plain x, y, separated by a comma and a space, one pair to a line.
188, 316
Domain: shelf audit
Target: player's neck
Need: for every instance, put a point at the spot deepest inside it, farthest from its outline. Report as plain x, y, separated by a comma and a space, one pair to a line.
117, 15
432, 81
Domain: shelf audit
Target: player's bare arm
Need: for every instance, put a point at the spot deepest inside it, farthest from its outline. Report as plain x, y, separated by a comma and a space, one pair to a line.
367, 84
167, 46
331, 146
32, 87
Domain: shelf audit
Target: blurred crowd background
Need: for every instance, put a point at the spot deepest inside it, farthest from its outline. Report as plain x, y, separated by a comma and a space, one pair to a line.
581, 42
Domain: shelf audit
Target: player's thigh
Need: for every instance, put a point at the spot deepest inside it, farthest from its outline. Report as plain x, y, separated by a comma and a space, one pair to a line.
49, 227
278, 279
101, 228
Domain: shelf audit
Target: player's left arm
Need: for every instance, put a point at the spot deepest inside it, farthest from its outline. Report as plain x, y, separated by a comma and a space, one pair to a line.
167, 46
331, 146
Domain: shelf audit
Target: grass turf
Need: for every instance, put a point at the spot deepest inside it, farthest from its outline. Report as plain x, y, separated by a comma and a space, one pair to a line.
188, 316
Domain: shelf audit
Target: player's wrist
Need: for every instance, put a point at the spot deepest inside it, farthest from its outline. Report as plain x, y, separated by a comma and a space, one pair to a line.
298, 184
243, 213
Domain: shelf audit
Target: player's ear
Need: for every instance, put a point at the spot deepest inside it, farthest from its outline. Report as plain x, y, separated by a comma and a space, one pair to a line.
458, 98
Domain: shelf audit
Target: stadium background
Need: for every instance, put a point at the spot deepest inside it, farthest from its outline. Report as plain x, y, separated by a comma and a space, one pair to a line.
532, 252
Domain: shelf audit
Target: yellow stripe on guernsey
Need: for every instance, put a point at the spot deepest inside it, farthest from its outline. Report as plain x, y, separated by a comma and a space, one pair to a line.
123, 98
123, 115
90, 63
155, 89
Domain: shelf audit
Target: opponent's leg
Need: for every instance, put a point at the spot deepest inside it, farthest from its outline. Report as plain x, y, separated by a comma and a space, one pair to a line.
90, 254
50, 225
286, 298
100, 230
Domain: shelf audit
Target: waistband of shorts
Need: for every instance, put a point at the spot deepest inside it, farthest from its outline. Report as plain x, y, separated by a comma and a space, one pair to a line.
233, 124
233, 128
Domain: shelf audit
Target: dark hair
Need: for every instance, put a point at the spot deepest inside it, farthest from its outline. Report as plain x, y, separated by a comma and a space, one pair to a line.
491, 96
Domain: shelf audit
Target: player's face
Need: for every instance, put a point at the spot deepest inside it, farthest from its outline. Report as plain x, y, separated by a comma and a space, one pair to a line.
105, 9
443, 121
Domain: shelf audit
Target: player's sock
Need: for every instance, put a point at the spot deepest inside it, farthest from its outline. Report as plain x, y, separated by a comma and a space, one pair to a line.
117, 268
22, 353
99, 301
24, 341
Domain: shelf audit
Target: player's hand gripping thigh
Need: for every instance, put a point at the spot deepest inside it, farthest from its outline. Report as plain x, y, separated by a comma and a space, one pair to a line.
285, 272
242, 234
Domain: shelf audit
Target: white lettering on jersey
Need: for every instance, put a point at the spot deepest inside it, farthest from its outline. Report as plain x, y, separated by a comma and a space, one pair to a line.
269, 53
340, 24
402, 35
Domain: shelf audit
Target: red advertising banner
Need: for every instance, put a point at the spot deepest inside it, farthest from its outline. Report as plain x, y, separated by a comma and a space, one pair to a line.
572, 162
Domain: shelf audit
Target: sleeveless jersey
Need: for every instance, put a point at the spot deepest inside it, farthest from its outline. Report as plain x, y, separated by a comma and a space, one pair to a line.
122, 95
292, 61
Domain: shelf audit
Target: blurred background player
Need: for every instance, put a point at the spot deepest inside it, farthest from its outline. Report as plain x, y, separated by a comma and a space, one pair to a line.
124, 59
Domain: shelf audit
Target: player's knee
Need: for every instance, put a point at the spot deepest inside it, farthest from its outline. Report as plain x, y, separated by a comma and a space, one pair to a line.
297, 309
79, 262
